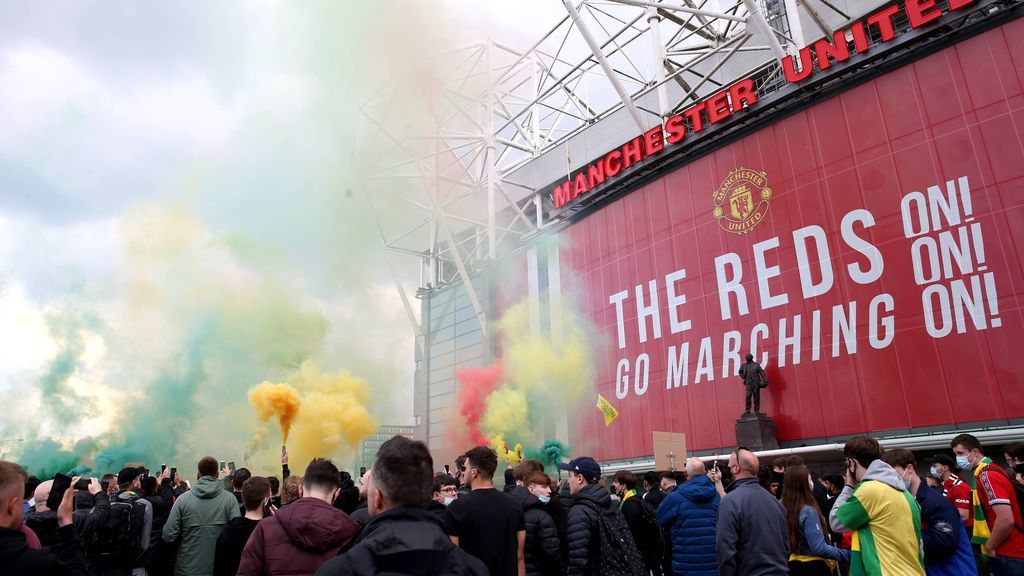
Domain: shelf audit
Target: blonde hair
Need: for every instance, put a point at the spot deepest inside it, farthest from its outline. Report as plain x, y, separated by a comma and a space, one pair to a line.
290, 490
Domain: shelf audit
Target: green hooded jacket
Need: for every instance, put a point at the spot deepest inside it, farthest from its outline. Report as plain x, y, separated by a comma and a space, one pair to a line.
198, 517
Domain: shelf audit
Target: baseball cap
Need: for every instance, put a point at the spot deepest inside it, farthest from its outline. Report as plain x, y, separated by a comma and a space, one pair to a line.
584, 466
126, 475
944, 459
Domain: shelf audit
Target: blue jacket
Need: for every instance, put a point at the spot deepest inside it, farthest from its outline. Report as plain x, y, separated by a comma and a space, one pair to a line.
812, 538
947, 548
691, 512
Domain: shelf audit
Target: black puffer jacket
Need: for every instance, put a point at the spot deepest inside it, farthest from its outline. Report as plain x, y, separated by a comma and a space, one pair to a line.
404, 541
62, 559
543, 548
582, 530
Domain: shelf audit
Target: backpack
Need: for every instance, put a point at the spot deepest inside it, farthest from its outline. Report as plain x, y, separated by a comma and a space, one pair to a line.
649, 538
617, 554
117, 542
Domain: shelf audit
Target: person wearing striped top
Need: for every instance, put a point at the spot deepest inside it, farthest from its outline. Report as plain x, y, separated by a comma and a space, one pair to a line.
884, 517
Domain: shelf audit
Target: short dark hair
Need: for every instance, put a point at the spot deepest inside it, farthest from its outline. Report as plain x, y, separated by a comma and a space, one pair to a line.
538, 477
626, 478
652, 478
460, 462
403, 472
239, 478
899, 457
863, 449
1015, 450
968, 441
525, 468
31, 483
149, 486
484, 459
442, 480
208, 467
835, 480
321, 473
275, 484
788, 461
254, 490
510, 477
668, 475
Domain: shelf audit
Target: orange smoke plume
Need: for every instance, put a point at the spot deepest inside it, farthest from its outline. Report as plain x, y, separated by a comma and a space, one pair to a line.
279, 400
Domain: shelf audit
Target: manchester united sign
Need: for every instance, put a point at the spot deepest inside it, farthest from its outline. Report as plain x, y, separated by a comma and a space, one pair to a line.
741, 202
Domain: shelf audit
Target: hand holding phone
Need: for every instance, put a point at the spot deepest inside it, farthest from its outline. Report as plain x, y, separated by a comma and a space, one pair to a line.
82, 484
65, 508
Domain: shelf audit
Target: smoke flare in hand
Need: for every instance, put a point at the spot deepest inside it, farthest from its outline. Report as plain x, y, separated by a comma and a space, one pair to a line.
279, 400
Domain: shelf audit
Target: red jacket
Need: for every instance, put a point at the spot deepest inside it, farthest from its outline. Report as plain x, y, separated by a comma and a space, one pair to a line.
297, 540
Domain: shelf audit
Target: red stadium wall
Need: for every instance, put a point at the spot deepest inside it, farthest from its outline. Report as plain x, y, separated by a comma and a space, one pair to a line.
920, 342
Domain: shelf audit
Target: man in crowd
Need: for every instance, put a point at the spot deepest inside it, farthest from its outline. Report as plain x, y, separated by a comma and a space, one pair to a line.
402, 537
884, 517
361, 515
552, 506
41, 519
238, 478
997, 515
16, 558
275, 491
641, 518
255, 497
120, 544
460, 474
486, 523
445, 492
751, 532
197, 519
159, 492
304, 534
668, 482
691, 513
543, 550
947, 549
652, 489
585, 548
944, 469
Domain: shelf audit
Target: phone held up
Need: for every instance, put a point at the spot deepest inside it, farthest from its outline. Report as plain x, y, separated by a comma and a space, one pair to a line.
61, 482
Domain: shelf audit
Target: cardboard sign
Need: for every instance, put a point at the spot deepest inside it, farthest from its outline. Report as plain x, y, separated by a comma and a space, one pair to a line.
669, 451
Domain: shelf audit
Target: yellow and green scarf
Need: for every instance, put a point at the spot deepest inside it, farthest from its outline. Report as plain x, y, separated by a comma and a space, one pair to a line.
981, 532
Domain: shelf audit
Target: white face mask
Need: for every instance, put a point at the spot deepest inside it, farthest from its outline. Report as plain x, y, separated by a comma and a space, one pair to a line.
448, 500
544, 499
811, 482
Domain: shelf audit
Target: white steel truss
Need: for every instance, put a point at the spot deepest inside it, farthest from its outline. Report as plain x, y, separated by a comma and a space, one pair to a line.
498, 108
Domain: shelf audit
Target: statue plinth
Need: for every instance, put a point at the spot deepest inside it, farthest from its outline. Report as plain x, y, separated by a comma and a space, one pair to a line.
756, 432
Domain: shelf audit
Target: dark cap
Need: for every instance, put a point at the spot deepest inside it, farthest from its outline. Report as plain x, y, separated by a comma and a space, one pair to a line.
126, 475
945, 460
584, 466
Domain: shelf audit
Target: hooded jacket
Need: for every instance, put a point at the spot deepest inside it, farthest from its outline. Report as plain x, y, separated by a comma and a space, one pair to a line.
197, 518
947, 547
543, 551
751, 533
230, 545
404, 541
690, 513
63, 559
581, 529
297, 540
886, 523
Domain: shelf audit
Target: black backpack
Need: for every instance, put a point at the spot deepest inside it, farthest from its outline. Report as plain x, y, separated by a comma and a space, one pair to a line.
117, 542
617, 554
651, 544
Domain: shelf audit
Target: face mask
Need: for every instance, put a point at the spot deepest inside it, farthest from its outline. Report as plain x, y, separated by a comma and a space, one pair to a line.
448, 500
935, 473
811, 482
962, 462
544, 499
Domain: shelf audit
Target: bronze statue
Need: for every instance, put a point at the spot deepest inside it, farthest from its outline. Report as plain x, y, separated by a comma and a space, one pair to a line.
753, 380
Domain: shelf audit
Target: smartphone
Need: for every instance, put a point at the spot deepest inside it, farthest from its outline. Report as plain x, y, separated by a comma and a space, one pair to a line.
362, 471
104, 486
266, 508
83, 484
447, 470
174, 473
163, 468
61, 483
223, 465
231, 466
145, 472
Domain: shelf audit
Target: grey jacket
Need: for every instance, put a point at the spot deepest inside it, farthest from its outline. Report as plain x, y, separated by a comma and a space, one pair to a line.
751, 538
197, 518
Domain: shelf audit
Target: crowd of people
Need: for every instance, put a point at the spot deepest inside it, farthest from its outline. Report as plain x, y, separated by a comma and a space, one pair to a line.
886, 514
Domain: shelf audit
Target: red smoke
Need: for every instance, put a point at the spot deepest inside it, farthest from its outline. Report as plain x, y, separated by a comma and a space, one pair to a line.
475, 385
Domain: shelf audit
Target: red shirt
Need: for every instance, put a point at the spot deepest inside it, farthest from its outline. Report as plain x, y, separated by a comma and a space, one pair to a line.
994, 487
959, 493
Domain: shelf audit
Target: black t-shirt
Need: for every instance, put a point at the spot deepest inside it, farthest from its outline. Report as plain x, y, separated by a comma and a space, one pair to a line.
486, 522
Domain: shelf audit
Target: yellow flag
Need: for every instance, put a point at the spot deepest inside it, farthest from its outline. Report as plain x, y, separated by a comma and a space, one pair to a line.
609, 411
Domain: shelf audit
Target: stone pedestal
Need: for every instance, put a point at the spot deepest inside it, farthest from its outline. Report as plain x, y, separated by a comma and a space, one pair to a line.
756, 432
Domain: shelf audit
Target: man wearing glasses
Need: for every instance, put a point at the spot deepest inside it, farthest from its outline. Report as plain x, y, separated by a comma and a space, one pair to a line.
445, 492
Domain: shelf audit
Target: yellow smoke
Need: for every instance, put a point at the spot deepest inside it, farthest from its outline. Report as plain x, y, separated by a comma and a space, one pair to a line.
332, 418
280, 400
544, 375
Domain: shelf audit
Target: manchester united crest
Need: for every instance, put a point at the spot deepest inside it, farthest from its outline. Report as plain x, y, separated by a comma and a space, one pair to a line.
741, 202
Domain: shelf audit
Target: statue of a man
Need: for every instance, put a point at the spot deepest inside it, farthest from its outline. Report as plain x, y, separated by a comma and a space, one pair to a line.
753, 380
